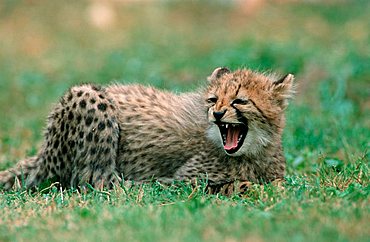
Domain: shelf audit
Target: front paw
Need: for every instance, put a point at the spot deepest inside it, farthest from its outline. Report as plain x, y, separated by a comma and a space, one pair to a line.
230, 188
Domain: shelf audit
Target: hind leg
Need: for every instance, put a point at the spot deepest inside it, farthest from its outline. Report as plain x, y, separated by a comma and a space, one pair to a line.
84, 137
81, 143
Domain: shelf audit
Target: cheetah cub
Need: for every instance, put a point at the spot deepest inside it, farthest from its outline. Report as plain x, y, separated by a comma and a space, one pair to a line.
229, 131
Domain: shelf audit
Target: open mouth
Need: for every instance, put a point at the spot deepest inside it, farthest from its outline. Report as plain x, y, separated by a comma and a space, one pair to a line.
233, 135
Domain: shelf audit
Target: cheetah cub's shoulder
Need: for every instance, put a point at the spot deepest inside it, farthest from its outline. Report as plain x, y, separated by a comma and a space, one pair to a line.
228, 131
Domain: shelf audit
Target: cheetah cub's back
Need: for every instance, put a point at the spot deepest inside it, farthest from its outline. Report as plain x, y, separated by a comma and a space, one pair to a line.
229, 131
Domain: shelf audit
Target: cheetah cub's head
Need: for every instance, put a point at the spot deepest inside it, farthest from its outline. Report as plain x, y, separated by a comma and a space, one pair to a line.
246, 109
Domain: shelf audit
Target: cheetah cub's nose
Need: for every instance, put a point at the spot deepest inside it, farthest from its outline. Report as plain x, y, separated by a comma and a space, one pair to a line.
218, 115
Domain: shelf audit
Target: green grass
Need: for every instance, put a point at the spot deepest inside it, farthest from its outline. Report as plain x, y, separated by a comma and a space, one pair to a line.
48, 46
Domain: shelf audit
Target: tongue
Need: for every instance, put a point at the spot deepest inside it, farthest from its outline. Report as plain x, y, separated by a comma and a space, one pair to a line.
232, 138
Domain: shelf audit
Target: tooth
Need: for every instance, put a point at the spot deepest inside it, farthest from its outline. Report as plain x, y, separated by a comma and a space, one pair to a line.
233, 125
227, 125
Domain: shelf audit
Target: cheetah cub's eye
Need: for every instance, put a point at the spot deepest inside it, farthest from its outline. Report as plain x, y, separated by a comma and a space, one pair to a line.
212, 100
241, 101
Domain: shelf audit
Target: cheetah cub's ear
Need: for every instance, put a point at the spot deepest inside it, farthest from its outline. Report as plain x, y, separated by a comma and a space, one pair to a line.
217, 73
283, 90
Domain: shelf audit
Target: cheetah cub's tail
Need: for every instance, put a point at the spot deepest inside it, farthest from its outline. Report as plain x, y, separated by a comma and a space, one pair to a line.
15, 177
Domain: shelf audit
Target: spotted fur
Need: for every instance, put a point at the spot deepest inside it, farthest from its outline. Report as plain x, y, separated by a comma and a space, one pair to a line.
100, 135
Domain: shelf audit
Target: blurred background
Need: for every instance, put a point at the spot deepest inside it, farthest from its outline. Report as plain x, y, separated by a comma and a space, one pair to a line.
47, 46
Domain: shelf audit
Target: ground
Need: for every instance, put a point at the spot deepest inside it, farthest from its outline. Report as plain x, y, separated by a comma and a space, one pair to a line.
47, 47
